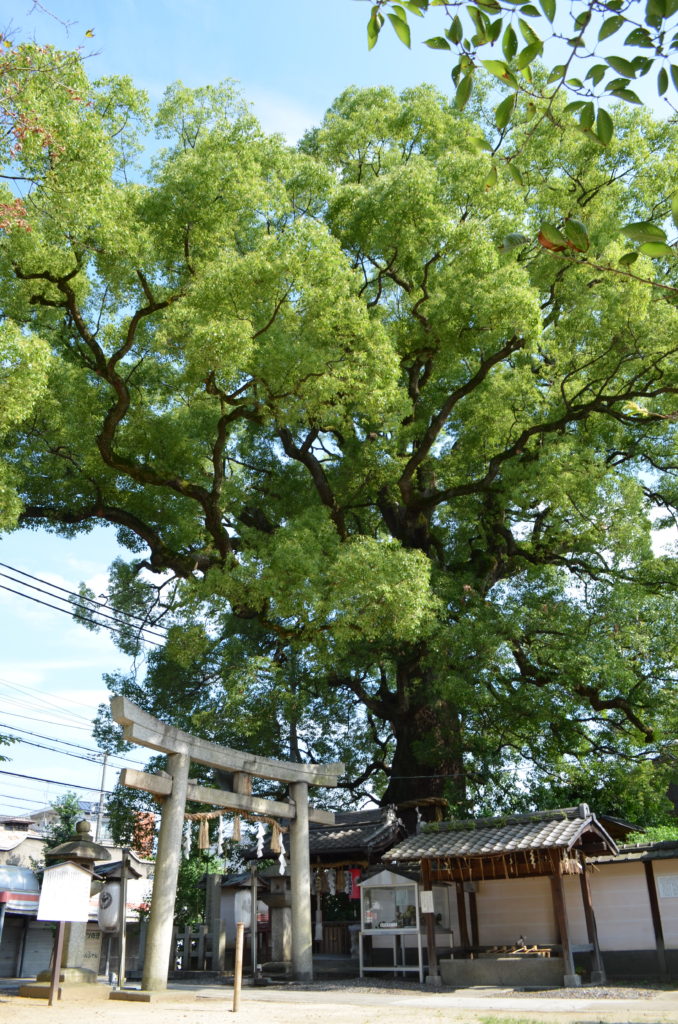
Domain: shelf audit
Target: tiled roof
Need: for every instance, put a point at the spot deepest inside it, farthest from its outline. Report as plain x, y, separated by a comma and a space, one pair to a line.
491, 836
665, 850
355, 833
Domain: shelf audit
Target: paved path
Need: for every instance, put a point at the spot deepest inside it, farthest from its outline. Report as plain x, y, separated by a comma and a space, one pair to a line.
197, 1004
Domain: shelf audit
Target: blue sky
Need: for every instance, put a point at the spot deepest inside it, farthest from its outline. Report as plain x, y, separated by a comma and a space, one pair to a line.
292, 58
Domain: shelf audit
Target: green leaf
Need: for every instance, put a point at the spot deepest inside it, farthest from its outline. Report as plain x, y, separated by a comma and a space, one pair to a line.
515, 174
414, 8
644, 231
577, 234
549, 8
558, 72
627, 94
674, 209
656, 249
514, 241
597, 73
402, 29
503, 112
527, 55
509, 43
662, 81
529, 35
604, 126
586, 116
674, 75
461, 97
373, 26
530, 11
500, 70
491, 179
489, 5
495, 30
628, 258
610, 26
573, 107
639, 37
455, 32
437, 43
622, 66
551, 238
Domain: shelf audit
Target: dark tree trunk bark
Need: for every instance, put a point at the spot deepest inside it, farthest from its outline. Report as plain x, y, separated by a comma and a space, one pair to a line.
427, 770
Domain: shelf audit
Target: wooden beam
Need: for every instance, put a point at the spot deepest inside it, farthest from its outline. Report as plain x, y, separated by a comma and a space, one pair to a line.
656, 918
461, 915
142, 728
597, 966
429, 918
473, 912
570, 979
161, 785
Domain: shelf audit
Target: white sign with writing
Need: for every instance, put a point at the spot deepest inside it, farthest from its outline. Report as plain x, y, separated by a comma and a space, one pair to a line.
426, 901
667, 885
65, 893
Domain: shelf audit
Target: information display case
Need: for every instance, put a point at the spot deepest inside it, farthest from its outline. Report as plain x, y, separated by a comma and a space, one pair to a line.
390, 925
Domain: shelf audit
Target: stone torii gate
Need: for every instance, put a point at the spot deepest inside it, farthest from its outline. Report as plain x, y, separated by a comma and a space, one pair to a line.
174, 789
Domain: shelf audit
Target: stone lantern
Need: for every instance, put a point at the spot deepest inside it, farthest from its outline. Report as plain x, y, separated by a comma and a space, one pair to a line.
81, 852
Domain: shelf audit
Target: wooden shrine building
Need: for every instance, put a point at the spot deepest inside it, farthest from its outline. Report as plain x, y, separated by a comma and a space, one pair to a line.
465, 854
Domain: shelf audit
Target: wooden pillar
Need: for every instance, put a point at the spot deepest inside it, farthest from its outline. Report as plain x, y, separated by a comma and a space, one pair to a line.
597, 967
473, 911
570, 978
433, 977
461, 914
159, 940
656, 918
302, 932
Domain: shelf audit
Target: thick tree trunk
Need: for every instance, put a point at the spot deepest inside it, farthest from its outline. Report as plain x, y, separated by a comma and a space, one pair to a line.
427, 769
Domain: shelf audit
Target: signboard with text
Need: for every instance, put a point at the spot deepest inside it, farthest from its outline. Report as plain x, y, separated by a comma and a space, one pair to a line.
65, 893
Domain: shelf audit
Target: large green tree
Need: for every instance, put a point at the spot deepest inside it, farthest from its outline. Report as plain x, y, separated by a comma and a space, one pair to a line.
386, 464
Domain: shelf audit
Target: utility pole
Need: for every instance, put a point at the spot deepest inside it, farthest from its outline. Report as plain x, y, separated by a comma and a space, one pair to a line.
100, 813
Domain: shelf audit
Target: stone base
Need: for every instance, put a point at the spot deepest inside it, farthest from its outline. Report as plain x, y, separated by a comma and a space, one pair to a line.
37, 991
71, 976
571, 981
130, 995
598, 978
513, 972
434, 980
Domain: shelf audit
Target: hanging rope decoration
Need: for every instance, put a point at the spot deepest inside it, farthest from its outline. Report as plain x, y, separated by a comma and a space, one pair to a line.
204, 817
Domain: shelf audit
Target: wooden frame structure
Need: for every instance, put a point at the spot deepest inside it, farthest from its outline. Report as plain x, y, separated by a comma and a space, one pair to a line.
175, 788
549, 843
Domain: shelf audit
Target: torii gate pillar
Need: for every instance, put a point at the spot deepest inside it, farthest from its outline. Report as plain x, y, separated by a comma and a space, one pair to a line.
302, 937
159, 939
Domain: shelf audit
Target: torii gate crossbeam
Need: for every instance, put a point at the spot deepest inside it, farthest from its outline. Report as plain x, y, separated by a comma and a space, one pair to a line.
182, 748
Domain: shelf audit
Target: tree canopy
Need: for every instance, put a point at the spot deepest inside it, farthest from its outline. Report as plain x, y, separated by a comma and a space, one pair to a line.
386, 455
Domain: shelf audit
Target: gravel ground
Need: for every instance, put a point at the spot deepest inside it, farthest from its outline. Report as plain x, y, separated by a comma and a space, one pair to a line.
640, 991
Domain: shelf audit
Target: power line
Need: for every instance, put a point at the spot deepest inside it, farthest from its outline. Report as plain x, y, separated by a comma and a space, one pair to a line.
77, 746
39, 693
68, 611
71, 593
54, 782
46, 721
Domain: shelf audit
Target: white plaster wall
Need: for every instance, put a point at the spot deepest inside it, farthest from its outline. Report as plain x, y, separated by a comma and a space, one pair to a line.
508, 908
668, 905
622, 907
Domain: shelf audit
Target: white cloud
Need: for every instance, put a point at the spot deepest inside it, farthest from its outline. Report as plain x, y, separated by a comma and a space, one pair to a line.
280, 113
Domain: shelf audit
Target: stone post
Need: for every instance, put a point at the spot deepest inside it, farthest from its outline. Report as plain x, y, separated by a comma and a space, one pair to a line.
302, 935
159, 938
